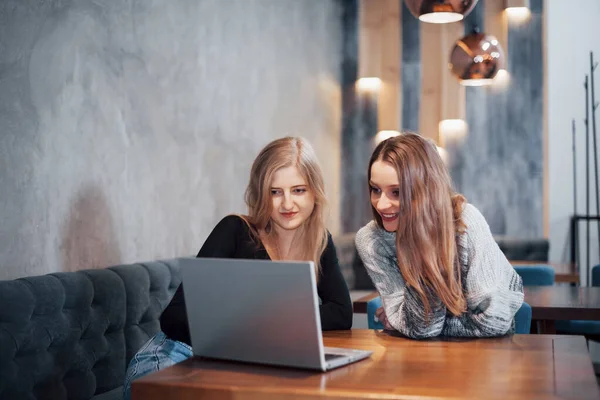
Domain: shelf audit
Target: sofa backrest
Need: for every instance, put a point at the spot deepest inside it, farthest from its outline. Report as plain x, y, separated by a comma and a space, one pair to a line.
344, 245
520, 249
71, 335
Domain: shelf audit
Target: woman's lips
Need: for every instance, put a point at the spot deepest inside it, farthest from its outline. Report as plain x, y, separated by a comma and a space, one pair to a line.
388, 217
289, 215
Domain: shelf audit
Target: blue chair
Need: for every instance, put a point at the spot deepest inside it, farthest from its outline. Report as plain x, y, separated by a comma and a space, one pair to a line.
532, 275
536, 275
522, 317
585, 328
372, 306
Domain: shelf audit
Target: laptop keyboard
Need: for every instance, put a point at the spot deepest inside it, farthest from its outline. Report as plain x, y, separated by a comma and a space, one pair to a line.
329, 357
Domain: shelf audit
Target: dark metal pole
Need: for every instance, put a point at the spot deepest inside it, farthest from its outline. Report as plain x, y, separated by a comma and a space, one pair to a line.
574, 168
574, 224
587, 180
594, 106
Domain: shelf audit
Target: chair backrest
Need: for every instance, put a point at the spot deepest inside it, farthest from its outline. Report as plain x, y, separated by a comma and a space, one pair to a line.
523, 319
596, 275
536, 275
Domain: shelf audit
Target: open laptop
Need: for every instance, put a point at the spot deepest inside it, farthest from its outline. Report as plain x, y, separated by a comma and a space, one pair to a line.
258, 311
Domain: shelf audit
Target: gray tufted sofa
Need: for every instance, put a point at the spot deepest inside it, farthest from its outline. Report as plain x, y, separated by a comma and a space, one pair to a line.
71, 335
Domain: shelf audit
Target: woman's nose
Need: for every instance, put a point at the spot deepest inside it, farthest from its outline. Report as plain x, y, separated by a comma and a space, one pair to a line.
288, 204
383, 203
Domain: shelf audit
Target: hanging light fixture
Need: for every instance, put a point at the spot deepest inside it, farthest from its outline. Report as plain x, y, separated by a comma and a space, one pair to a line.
440, 11
517, 5
518, 10
476, 59
383, 135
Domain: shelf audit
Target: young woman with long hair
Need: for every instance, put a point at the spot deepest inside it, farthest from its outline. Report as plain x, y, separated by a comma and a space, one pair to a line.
285, 221
429, 253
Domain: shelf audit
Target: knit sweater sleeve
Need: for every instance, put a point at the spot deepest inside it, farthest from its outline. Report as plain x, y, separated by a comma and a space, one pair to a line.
403, 306
493, 289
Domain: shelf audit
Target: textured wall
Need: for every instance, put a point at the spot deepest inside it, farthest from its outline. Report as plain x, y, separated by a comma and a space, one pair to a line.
410, 70
359, 127
127, 128
499, 166
350, 220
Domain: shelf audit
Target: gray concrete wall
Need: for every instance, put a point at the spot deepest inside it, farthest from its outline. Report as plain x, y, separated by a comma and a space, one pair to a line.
127, 128
410, 70
499, 165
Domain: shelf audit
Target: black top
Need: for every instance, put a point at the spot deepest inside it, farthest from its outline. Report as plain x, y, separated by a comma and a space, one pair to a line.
231, 238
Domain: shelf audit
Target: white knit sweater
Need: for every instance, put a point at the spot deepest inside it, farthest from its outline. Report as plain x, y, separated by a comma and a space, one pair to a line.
493, 290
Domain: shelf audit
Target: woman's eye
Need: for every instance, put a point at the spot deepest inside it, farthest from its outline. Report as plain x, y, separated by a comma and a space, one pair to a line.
375, 190
275, 192
300, 190
396, 193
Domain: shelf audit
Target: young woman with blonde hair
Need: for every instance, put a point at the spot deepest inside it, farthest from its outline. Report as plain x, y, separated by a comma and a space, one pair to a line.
286, 203
429, 253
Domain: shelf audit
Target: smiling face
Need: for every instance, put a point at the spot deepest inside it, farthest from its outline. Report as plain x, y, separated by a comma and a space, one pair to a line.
293, 201
385, 193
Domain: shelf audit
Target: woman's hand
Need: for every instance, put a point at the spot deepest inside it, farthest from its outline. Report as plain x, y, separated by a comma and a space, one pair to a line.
380, 314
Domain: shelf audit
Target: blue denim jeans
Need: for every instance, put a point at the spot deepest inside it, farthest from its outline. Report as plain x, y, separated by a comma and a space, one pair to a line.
158, 353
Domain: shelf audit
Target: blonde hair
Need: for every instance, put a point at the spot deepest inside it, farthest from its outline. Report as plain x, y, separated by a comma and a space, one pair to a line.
282, 153
429, 219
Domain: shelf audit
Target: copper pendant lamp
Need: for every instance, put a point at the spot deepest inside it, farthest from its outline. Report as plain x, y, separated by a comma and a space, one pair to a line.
440, 11
476, 59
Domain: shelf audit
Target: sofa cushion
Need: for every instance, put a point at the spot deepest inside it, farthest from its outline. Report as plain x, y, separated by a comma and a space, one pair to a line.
149, 290
71, 335
115, 394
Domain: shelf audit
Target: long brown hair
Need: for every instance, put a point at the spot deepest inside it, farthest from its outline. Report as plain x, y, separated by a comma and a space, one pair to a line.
282, 153
429, 220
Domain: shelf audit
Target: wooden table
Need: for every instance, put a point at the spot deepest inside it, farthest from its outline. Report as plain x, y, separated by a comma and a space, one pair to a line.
515, 367
563, 272
552, 303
